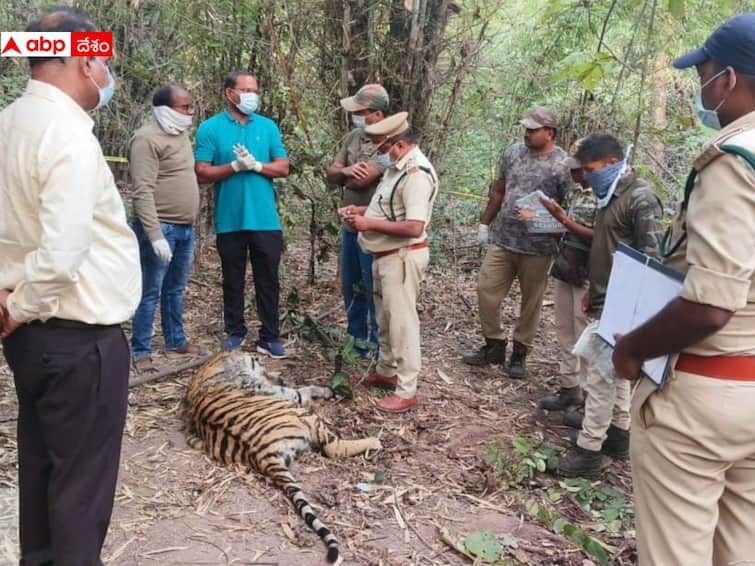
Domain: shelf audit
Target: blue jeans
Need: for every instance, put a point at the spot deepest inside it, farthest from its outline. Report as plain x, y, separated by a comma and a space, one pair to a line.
163, 282
356, 285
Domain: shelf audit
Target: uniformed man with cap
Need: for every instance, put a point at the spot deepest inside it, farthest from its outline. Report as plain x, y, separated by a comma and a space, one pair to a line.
570, 283
355, 170
515, 252
693, 449
393, 229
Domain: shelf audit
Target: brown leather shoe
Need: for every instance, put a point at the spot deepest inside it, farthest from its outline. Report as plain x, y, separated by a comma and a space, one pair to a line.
377, 380
396, 404
144, 365
187, 349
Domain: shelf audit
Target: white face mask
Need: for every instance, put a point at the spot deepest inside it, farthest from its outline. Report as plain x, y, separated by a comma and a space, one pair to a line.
248, 102
707, 116
106, 92
171, 122
358, 121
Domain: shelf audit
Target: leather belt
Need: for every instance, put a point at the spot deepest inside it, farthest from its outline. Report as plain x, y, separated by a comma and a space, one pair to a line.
71, 324
417, 246
738, 368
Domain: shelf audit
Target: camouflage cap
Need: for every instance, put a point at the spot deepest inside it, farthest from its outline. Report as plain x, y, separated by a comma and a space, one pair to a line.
540, 117
571, 161
390, 127
372, 96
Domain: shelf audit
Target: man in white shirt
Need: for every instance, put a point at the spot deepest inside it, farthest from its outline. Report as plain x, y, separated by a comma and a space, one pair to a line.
69, 276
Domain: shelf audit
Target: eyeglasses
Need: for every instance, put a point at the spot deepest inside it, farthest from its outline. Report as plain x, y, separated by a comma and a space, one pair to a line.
385, 146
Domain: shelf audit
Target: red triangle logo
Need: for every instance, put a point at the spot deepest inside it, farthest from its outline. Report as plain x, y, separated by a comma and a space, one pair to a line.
11, 45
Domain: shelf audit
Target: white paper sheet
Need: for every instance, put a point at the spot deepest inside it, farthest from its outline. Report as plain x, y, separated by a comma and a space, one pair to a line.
638, 289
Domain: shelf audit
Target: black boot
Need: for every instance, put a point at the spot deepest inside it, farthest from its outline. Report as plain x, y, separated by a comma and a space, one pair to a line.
582, 463
616, 444
573, 418
563, 399
518, 364
493, 352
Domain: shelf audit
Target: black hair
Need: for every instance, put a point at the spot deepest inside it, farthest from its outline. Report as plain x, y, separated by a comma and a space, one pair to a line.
59, 19
163, 96
230, 79
599, 147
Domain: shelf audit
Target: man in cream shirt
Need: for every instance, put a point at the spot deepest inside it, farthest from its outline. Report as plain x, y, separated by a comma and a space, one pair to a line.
69, 276
393, 229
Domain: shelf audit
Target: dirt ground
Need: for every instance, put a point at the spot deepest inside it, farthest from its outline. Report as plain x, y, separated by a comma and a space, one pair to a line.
175, 506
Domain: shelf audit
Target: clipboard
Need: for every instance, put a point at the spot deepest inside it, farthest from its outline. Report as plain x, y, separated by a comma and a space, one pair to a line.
638, 288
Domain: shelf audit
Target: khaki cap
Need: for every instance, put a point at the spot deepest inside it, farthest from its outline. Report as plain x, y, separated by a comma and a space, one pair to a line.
390, 127
372, 96
540, 117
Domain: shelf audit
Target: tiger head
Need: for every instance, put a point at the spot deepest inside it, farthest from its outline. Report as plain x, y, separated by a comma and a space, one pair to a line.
243, 369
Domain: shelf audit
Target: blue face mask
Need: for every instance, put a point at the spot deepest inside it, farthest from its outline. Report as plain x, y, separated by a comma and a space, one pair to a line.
603, 180
248, 102
384, 160
709, 118
106, 92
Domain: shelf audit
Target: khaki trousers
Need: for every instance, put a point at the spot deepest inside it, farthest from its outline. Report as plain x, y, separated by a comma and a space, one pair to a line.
693, 470
571, 321
396, 280
606, 404
499, 269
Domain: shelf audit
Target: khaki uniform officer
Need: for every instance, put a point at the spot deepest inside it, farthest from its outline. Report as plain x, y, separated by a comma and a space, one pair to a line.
693, 445
392, 229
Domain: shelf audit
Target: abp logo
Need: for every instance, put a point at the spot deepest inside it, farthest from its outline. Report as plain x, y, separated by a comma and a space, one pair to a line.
55, 44
35, 44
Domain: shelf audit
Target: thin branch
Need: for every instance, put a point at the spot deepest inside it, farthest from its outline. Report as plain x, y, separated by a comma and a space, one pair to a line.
170, 371
648, 47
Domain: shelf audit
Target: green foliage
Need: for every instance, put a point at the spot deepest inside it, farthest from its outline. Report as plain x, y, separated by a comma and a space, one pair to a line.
340, 383
591, 546
608, 505
524, 463
484, 545
381, 476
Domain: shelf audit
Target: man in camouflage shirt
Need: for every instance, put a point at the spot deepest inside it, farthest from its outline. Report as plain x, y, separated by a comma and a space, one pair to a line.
570, 274
516, 253
629, 211
355, 170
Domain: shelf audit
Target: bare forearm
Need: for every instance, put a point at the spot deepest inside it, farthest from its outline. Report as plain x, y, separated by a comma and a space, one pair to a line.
207, 173
359, 184
679, 325
494, 203
277, 168
335, 175
578, 229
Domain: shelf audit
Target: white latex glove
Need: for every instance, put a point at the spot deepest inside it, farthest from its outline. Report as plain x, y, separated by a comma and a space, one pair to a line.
245, 161
482, 234
162, 250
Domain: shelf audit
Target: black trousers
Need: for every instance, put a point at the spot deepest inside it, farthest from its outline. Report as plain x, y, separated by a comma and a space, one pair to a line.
263, 248
72, 387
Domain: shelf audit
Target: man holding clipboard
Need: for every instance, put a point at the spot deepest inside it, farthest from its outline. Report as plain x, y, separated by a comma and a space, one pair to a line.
693, 446
629, 212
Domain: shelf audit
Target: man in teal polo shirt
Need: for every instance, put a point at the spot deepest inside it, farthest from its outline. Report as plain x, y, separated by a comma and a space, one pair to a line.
241, 152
